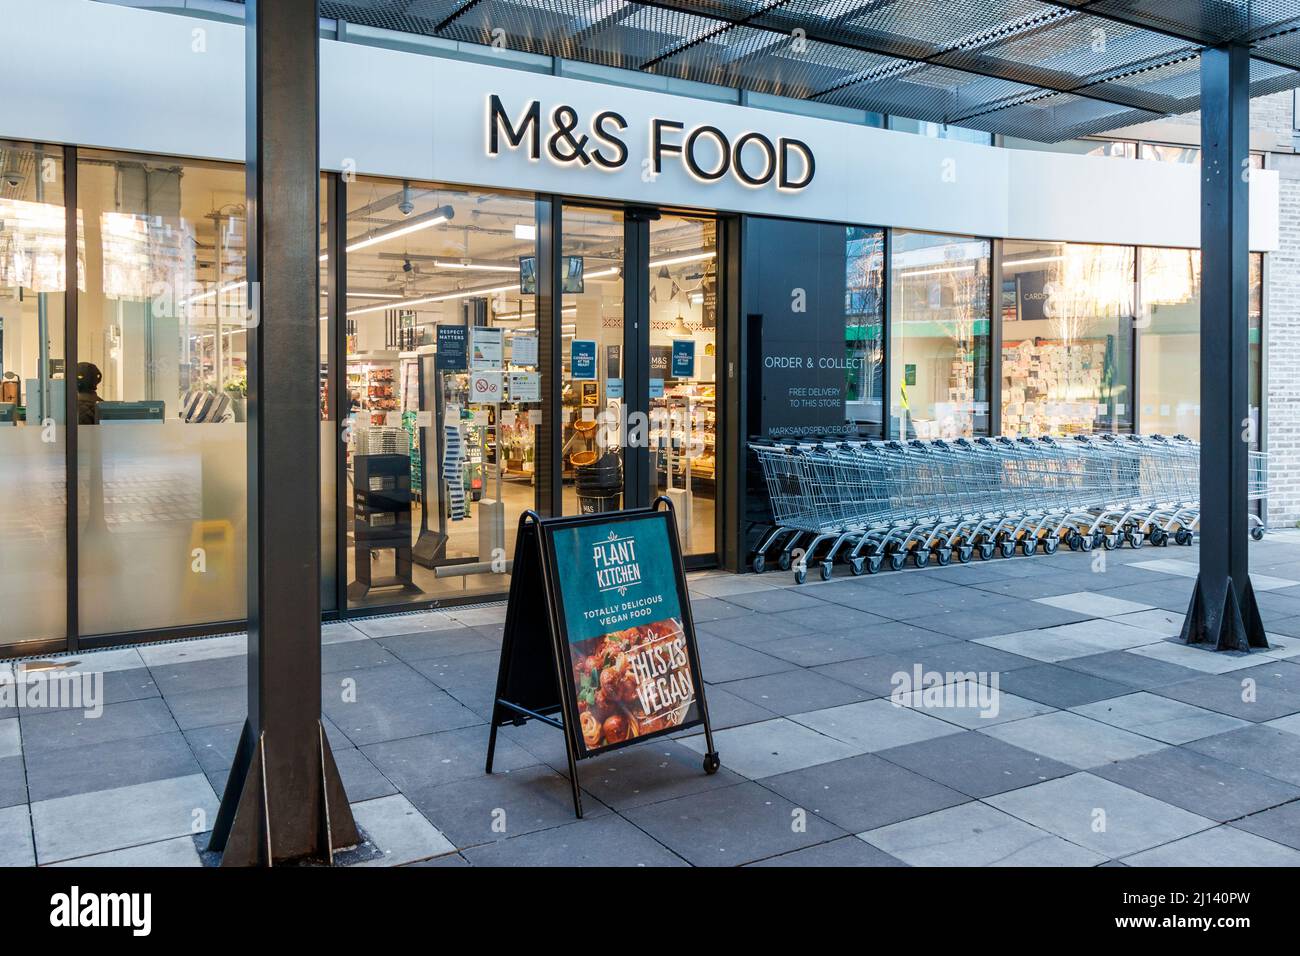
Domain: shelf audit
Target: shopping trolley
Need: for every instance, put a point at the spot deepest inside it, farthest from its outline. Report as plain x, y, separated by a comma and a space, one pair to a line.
872, 504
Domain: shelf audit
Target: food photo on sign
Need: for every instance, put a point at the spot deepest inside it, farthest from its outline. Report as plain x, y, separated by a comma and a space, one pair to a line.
630, 662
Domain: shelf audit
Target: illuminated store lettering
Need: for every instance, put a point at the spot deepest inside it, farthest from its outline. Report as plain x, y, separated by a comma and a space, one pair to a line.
707, 153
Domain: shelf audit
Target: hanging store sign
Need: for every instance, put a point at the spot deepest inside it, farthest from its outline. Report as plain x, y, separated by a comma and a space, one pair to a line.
707, 152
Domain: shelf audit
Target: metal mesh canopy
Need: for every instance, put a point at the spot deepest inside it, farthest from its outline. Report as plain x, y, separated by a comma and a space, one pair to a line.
1040, 69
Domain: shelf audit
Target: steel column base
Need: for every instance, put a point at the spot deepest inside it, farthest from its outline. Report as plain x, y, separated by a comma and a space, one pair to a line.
243, 831
1215, 617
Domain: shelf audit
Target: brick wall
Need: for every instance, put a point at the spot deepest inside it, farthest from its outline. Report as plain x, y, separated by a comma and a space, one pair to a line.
1282, 326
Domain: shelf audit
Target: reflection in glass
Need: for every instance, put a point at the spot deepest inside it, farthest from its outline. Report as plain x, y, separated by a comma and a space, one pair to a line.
683, 373
864, 311
443, 391
1170, 323
593, 403
33, 383
162, 343
1066, 331
939, 355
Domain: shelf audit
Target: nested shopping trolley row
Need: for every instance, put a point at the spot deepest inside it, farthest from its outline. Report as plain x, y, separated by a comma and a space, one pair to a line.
871, 504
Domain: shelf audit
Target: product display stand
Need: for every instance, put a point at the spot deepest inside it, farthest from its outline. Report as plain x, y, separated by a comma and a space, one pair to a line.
381, 520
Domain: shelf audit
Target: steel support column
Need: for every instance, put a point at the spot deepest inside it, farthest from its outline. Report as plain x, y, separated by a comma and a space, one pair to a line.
284, 799
1223, 611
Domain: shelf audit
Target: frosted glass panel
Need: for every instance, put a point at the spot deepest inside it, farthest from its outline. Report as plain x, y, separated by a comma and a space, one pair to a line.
161, 394
33, 496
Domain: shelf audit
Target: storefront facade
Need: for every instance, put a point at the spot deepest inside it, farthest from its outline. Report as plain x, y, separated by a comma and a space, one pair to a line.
536, 292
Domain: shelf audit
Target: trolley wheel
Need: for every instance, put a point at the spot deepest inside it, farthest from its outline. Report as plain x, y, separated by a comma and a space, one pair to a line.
1256, 533
759, 563
1134, 539
856, 565
1087, 542
784, 561
1159, 537
1074, 540
896, 560
1007, 547
986, 550
964, 554
1184, 537
1028, 545
800, 576
920, 557
873, 563
1110, 541
942, 556
828, 568
711, 764
1050, 544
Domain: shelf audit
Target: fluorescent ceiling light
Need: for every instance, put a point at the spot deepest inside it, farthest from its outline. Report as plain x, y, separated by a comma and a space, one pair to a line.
429, 299
473, 266
678, 260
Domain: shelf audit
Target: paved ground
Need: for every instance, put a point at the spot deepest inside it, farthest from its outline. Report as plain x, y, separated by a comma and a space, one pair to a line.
1106, 740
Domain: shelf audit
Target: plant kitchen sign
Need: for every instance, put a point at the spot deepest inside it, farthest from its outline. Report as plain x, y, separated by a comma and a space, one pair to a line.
612, 660
708, 154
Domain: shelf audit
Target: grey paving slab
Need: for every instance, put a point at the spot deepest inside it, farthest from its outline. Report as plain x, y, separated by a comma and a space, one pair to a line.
399, 831
608, 841
1198, 658
753, 629
811, 650
1160, 718
208, 708
176, 852
968, 625
1165, 623
707, 609
463, 671
828, 618
846, 851
13, 784
1249, 693
378, 627
773, 746
11, 737
390, 702
44, 731
90, 823
859, 793
976, 834
1290, 723
722, 661
1049, 646
1060, 686
1132, 670
16, 837
702, 827
976, 764
1100, 815
970, 704
651, 772
1261, 748
1222, 846
432, 645
107, 765
728, 710
1280, 675
183, 652
874, 725
1290, 626
1043, 585
774, 600
361, 779
1072, 739
1280, 824
430, 760
1093, 604
353, 655
1213, 788
1170, 596
192, 676
794, 692
111, 687
498, 806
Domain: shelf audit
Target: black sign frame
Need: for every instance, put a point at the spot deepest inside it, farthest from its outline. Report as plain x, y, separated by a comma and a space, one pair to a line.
534, 674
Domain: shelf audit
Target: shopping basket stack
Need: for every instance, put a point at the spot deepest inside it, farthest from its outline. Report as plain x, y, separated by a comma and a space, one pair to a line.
871, 504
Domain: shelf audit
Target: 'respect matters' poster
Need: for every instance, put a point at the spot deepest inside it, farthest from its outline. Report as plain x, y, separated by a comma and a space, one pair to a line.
629, 660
